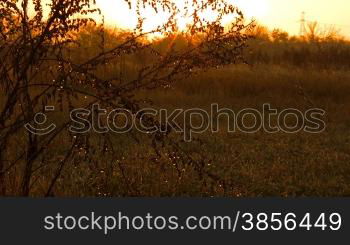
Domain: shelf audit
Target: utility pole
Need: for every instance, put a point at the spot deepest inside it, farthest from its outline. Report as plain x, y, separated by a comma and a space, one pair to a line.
302, 30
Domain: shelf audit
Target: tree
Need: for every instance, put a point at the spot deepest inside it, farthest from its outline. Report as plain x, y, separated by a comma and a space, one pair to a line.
317, 33
42, 64
259, 32
279, 35
313, 31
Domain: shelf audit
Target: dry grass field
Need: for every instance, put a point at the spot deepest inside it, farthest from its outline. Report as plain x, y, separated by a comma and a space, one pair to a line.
260, 164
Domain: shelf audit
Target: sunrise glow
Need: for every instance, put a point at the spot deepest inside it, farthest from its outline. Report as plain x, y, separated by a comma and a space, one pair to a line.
117, 13
284, 14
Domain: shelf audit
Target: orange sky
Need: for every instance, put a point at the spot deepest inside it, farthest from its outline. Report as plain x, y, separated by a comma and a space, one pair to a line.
273, 13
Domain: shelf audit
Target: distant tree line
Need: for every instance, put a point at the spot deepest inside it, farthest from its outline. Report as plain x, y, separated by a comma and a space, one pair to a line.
319, 47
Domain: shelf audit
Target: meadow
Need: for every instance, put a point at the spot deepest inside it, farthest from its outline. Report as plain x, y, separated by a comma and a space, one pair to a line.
281, 71
259, 164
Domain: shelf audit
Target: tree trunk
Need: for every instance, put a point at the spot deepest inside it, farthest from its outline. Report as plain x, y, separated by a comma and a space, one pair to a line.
31, 151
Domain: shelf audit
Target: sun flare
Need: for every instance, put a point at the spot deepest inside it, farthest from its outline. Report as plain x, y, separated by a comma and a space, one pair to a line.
118, 13
253, 8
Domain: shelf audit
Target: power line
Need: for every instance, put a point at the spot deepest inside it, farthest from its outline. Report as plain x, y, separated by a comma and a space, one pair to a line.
302, 30
304, 22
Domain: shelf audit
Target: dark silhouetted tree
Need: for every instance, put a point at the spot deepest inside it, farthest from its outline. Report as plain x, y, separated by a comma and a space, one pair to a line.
43, 62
